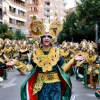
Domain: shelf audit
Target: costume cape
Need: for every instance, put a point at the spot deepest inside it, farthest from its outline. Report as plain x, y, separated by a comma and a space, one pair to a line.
27, 86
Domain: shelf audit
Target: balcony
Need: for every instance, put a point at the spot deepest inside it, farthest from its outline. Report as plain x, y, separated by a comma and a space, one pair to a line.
16, 15
33, 12
19, 5
46, 6
47, 0
16, 26
0, 3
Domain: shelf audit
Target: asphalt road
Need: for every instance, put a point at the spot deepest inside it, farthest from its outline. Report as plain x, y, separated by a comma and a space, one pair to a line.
10, 89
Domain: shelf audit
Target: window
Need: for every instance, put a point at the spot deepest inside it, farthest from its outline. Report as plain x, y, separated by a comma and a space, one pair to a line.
61, 18
56, 5
31, 1
31, 9
51, 17
51, 4
51, 11
64, 5
64, 0
61, 12
48, 10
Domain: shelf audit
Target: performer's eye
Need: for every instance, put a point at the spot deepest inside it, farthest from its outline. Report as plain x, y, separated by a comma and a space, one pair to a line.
52, 59
49, 64
35, 52
40, 60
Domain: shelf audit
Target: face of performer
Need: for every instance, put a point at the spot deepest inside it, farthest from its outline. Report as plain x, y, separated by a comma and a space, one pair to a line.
90, 52
47, 40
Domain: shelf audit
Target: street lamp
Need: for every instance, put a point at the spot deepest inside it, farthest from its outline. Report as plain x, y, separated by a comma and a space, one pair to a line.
96, 33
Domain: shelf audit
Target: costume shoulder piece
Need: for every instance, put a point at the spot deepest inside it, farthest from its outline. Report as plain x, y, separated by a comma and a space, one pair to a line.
23, 50
46, 62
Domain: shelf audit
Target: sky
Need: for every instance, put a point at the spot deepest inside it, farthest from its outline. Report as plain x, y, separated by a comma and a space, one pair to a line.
70, 4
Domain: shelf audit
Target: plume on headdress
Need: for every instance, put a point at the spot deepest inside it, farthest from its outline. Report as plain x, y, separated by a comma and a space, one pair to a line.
55, 28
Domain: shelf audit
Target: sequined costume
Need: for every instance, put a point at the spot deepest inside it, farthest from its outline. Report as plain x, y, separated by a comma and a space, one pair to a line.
48, 74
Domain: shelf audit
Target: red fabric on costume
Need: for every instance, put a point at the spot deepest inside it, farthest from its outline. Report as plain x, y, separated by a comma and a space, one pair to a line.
30, 86
63, 85
98, 91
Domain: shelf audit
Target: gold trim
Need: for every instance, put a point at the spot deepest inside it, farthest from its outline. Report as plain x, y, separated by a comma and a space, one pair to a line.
46, 62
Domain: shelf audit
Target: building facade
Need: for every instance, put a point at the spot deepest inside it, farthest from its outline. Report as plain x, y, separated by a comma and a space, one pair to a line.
34, 8
14, 14
55, 9
1, 16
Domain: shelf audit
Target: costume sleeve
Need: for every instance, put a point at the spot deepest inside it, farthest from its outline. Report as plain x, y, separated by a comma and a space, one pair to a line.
61, 61
25, 67
33, 64
66, 66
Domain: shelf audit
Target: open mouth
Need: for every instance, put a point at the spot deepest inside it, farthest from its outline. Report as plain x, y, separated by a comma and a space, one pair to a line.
46, 41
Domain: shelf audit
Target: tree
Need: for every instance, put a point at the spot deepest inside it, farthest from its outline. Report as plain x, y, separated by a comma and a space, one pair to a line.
81, 24
69, 28
19, 35
3, 28
88, 14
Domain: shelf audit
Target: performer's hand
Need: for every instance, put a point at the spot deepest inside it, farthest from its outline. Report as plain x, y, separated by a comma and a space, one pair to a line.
79, 57
11, 62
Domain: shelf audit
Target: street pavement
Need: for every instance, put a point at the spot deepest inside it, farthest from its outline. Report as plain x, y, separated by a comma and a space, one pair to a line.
10, 89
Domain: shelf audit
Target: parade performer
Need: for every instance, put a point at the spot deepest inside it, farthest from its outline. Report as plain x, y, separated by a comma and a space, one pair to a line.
7, 51
23, 56
65, 52
47, 80
92, 69
97, 94
78, 66
71, 71
14, 50
84, 65
3, 67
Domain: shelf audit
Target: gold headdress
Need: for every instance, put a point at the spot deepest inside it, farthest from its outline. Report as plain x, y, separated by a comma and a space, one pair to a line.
64, 44
90, 48
39, 28
55, 28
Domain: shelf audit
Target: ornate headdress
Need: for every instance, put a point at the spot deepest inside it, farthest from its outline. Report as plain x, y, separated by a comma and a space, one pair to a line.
38, 28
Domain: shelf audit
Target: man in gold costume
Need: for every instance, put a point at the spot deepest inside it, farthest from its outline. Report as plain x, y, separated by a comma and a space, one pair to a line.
47, 80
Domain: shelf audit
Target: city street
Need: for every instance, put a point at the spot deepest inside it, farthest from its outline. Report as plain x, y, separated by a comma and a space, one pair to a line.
10, 89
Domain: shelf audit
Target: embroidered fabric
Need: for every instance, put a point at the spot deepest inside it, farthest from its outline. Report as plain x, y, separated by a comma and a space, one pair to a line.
51, 91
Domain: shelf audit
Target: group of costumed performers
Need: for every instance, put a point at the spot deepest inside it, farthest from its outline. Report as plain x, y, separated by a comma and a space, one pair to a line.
97, 93
3, 60
86, 70
48, 79
12, 49
50, 65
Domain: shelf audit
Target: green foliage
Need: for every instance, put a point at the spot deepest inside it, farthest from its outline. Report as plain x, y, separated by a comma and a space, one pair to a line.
81, 24
31, 41
5, 32
19, 35
3, 28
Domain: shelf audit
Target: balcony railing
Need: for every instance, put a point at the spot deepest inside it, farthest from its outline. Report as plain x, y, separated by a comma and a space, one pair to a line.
0, 17
0, 2
16, 15
16, 26
47, 6
19, 5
